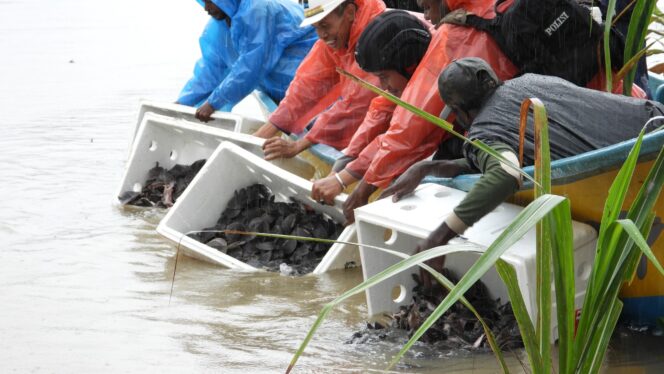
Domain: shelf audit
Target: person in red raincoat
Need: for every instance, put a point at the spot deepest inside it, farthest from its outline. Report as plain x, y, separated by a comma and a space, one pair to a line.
318, 90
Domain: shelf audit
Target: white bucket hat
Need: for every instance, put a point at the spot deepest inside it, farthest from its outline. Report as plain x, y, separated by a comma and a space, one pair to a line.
319, 9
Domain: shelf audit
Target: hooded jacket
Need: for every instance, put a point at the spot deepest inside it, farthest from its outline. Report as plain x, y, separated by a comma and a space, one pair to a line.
410, 138
317, 85
261, 49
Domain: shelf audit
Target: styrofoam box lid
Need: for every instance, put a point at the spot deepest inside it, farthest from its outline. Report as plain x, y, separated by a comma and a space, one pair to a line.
231, 168
422, 212
247, 114
171, 141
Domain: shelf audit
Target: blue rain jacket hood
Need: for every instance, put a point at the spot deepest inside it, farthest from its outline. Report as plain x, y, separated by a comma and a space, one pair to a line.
261, 49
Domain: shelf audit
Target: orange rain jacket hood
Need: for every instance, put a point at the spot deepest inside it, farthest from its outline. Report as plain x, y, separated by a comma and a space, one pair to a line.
317, 86
409, 137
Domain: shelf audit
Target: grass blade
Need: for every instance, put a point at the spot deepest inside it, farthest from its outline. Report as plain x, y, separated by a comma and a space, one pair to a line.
636, 35
508, 275
606, 328
638, 239
560, 222
610, 13
629, 65
543, 230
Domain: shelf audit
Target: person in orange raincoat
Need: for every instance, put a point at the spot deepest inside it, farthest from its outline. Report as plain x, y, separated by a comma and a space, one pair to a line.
409, 137
319, 90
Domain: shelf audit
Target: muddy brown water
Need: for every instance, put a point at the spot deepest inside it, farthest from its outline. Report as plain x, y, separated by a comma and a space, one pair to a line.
84, 286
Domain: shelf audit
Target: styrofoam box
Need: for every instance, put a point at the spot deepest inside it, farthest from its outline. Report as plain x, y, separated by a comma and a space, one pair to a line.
400, 226
170, 141
246, 117
231, 168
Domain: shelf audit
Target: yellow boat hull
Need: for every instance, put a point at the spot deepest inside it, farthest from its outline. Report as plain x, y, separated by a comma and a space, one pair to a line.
644, 296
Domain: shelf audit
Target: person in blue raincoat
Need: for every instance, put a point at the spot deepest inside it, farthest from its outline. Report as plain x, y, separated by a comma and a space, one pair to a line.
246, 45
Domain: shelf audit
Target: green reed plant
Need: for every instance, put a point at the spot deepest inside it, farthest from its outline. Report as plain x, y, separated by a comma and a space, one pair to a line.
619, 246
642, 16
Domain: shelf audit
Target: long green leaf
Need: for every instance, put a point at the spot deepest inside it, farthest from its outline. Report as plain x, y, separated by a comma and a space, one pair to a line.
436, 121
618, 190
523, 222
645, 232
636, 34
610, 13
508, 275
605, 328
640, 242
629, 65
543, 230
560, 223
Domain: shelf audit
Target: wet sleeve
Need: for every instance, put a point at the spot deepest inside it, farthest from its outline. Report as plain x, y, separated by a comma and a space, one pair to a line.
257, 54
337, 125
409, 139
359, 166
313, 80
492, 189
376, 122
210, 69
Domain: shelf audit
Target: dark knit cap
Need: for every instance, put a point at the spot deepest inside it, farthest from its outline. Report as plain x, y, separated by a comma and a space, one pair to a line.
466, 82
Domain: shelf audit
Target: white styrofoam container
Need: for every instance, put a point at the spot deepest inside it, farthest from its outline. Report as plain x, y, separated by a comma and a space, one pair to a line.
400, 226
170, 141
246, 117
231, 168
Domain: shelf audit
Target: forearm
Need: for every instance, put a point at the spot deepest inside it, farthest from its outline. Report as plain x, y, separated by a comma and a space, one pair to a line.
446, 168
301, 145
493, 188
268, 130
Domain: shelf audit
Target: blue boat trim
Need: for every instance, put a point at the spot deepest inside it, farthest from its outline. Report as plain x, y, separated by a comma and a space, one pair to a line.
577, 167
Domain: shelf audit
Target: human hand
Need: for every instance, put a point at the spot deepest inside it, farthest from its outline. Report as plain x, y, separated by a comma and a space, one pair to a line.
407, 182
358, 198
438, 237
204, 113
326, 189
279, 148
